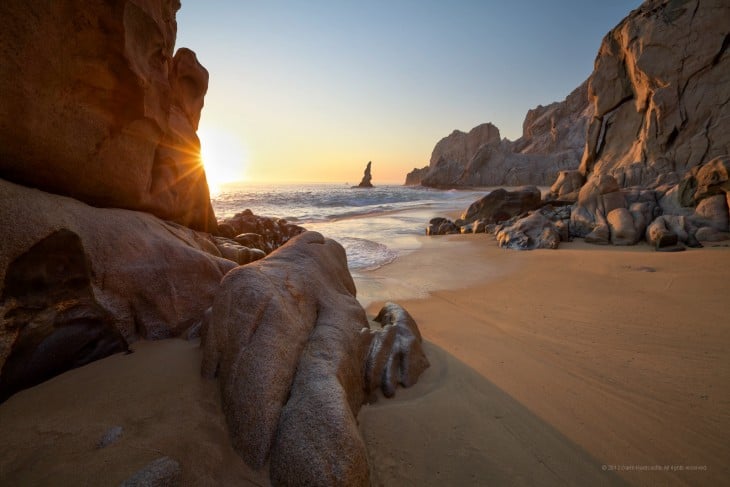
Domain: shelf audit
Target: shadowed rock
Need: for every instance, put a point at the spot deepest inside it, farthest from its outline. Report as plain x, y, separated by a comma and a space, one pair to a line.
79, 282
51, 321
396, 355
500, 205
367, 177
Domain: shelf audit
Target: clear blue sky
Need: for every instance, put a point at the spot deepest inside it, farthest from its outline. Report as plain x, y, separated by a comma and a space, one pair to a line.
312, 90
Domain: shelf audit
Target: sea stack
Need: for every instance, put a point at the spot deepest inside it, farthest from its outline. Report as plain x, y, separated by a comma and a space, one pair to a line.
366, 178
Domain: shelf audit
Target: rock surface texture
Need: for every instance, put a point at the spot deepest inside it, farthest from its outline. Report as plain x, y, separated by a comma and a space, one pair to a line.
98, 108
288, 341
660, 91
78, 282
552, 140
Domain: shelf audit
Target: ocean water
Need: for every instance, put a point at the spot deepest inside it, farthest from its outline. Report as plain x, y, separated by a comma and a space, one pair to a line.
374, 225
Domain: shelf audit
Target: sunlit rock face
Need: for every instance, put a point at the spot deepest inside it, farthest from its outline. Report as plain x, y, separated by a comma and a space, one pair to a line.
95, 106
660, 91
552, 141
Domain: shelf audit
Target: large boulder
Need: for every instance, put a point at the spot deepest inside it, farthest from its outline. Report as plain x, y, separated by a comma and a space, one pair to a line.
659, 92
567, 186
94, 105
500, 205
598, 196
78, 282
532, 232
289, 343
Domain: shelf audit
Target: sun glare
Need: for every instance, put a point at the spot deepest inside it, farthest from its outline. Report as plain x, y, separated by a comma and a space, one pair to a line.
224, 157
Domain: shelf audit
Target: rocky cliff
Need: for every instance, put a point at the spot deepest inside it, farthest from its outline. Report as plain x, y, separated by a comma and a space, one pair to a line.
660, 93
96, 105
552, 140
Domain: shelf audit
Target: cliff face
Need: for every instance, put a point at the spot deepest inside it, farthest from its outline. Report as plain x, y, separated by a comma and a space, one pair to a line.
660, 93
552, 140
95, 106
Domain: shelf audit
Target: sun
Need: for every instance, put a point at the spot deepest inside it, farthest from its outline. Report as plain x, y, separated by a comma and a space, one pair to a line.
224, 157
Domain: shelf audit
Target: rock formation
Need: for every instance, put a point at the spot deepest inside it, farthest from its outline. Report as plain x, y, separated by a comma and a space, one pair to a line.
660, 91
366, 177
415, 177
99, 109
552, 140
258, 232
296, 358
78, 282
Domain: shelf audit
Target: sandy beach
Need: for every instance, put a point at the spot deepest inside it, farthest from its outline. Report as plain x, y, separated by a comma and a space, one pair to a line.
587, 365
582, 366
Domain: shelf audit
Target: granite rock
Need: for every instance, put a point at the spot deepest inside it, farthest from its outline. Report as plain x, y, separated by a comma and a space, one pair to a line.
94, 105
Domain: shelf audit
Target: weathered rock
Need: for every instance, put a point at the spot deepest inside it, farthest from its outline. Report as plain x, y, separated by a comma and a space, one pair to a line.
451, 154
596, 199
658, 235
441, 226
114, 275
367, 177
567, 186
535, 231
659, 90
415, 177
288, 341
500, 205
396, 355
98, 108
51, 320
552, 141
671, 203
709, 234
713, 178
713, 212
600, 234
622, 227
163, 472
258, 232
239, 254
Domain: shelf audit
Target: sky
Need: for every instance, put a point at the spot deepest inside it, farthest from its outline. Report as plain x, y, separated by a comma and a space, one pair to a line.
310, 91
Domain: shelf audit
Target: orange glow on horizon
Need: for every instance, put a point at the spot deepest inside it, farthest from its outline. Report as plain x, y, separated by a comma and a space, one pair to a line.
224, 157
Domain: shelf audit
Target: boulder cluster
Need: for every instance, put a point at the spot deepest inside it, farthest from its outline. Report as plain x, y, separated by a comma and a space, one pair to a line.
669, 217
246, 237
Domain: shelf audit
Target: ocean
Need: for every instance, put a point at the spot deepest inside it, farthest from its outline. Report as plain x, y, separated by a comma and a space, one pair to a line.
375, 225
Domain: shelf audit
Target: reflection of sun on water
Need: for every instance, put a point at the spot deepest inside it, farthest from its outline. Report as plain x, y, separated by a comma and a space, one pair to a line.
224, 157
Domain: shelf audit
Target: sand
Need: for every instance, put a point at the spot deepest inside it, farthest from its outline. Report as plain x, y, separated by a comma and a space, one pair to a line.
582, 366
